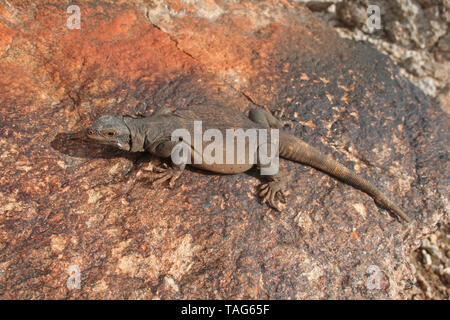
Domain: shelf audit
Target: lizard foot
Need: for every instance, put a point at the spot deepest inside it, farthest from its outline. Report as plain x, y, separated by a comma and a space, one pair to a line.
272, 191
165, 173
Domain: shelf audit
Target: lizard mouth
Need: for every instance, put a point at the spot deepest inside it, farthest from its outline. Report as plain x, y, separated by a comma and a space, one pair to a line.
126, 147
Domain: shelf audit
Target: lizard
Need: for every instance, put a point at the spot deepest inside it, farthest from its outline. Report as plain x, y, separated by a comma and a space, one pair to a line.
153, 134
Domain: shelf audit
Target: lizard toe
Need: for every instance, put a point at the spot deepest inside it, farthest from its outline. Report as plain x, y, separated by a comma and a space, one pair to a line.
161, 169
160, 180
281, 196
262, 193
263, 186
273, 204
173, 179
266, 197
158, 175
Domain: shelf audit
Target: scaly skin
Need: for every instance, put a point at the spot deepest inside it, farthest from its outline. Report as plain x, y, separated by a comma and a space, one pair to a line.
153, 134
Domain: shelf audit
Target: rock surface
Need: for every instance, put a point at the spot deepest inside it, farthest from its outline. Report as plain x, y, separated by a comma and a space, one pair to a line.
69, 208
414, 33
427, 66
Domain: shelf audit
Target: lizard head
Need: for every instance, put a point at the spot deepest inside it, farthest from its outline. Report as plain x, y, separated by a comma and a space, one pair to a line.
111, 130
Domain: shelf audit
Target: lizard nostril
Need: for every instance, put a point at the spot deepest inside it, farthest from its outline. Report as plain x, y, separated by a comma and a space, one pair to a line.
90, 132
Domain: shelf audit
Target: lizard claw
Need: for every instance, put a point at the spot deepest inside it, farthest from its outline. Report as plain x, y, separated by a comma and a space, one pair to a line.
270, 192
281, 196
161, 169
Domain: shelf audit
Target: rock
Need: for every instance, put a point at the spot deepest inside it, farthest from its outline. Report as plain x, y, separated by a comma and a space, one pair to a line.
426, 67
318, 6
433, 266
442, 49
79, 220
413, 26
351, 14
413, 34
429, 3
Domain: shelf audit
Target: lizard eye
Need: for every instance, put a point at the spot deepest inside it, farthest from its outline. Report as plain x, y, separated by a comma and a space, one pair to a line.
111, 133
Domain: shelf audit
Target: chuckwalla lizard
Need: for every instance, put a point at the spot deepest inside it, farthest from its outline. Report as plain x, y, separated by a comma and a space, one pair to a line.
153, 134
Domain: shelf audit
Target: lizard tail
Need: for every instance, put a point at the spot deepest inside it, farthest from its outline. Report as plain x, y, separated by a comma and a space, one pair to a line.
295, 149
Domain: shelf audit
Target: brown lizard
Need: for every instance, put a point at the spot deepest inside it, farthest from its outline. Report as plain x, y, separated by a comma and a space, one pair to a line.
153, 134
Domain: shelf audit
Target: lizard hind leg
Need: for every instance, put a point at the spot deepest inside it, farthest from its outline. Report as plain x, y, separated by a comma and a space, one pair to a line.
265, 118
272, 192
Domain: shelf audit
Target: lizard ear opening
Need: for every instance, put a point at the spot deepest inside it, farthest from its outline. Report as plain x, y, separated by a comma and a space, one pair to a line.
111, 133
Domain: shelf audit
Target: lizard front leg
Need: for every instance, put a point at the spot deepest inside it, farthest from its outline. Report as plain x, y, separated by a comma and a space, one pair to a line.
166, 173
